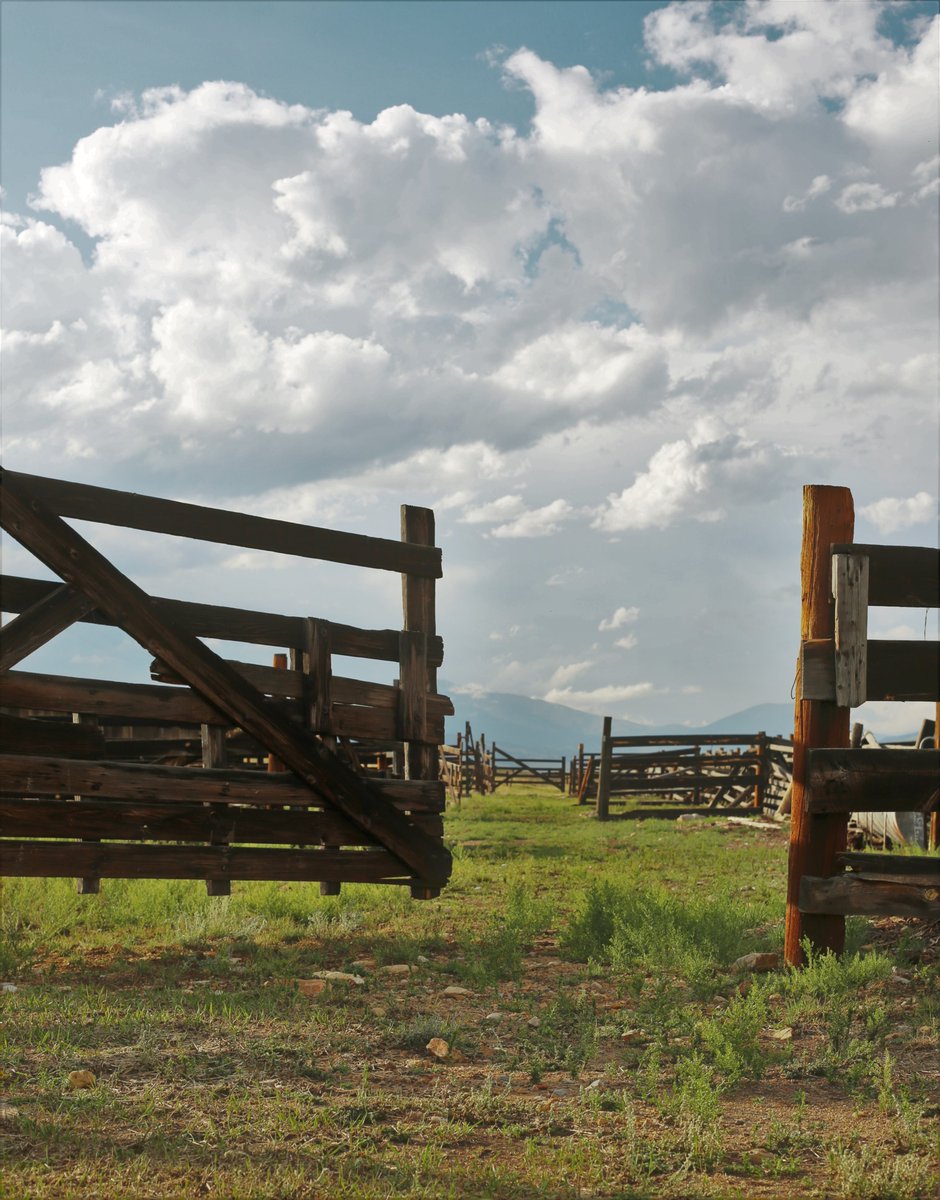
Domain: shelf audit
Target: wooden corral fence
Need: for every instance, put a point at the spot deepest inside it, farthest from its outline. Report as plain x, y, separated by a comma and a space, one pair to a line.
694, 773
508, 769
70, 806
839, 668
468, 766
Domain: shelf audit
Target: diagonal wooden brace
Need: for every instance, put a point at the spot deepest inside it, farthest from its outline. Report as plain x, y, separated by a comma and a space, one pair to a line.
64, 551
42, 622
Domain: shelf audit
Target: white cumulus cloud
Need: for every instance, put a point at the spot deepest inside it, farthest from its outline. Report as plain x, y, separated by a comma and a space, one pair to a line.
895, 512
620, 617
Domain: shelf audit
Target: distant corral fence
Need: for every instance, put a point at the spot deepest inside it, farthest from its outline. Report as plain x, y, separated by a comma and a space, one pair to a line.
694, 773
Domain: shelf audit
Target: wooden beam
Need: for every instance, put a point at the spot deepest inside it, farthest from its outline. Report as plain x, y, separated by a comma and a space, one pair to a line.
28, 775
900, 576
40, 623
892, 864
222, 823
128, 860
132, 511
29, 735
845, 781
181, 706
417, 673
77, 562
896, 670
850, 595
828, 517
845, 895
233, 624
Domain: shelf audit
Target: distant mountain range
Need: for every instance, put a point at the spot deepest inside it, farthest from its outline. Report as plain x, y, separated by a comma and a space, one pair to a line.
537, 729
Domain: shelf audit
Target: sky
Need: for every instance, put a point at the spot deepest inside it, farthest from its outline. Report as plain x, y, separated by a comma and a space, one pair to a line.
604, 284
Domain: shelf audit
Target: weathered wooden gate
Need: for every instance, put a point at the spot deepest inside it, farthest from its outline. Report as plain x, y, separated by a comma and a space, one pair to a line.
67, 808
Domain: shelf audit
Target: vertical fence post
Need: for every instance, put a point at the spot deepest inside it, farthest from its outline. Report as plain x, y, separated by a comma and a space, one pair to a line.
760, 787
828, 518
418, 611
89, 885
214, 755
933, 827
317, 661
603, 779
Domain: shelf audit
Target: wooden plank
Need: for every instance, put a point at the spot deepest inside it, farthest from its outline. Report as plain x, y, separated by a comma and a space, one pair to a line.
893, 864
129, 510
178, 705
897, 670
233, 624
900, 576
417, 672
117, 860
413, 674
40, 623
850, 593
220, 823
63, 550
317, 676
828, 517
214, 757
29, 735
845, 781
290, 684
28, 775
105, 698
846, 895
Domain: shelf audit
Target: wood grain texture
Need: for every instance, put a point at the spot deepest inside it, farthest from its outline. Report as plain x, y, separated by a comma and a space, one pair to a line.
31, 735
896, 670
865, 780
850, 599
828, 518
175, 821
899, 576
233, 624
846, 895
133, 511
129, 860
29, 775
41, 622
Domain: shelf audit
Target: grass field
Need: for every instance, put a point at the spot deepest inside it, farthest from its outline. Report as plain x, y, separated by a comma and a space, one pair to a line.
599, 1043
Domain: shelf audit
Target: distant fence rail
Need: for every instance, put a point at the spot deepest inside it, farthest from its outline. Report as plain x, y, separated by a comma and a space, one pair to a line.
692, 773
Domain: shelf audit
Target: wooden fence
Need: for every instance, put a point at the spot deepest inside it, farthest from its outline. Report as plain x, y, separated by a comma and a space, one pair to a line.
839, 668
534, 772
695, 773
73, 803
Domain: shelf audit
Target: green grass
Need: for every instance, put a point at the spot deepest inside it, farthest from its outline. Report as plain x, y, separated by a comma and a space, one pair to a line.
604, 1045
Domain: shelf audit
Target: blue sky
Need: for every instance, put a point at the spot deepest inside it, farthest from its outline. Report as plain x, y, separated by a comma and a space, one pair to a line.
604, 284
63, 60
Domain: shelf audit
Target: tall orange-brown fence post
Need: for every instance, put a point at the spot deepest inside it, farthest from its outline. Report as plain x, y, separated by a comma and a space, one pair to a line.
828, 519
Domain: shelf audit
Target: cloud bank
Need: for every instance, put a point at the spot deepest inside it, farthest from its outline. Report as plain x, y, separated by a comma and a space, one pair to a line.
652, 310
